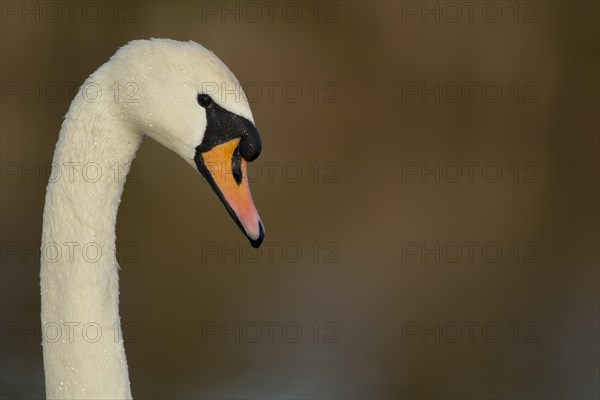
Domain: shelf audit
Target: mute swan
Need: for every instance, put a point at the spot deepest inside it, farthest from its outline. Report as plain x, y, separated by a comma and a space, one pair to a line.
184, 97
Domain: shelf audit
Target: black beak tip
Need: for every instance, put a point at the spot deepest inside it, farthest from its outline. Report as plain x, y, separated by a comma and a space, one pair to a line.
261, 237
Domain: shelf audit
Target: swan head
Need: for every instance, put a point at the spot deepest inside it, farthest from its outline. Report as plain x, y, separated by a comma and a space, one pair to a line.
185, 97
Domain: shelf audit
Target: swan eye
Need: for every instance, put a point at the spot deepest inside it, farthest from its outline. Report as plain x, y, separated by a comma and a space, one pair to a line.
204, 100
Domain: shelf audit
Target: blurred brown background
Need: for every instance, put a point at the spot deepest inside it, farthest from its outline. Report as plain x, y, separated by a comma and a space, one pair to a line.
387, 307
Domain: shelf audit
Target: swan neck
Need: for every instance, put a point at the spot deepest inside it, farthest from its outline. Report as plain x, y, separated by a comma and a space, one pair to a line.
84, 355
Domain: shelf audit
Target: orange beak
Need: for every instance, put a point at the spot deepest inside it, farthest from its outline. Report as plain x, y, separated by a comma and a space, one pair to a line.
225, 170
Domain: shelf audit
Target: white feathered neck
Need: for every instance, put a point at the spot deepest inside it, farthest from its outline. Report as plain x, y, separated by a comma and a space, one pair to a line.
80, 291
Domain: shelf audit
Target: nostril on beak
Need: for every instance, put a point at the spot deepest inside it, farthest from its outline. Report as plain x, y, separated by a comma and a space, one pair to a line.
236, 166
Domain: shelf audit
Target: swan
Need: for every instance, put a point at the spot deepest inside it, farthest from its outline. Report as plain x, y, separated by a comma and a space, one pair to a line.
184, 97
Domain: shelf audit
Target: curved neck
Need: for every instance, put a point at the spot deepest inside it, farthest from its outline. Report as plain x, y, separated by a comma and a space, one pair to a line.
84, 356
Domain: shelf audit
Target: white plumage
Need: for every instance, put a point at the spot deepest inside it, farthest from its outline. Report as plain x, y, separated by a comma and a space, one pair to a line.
158, 82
